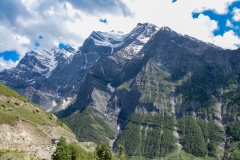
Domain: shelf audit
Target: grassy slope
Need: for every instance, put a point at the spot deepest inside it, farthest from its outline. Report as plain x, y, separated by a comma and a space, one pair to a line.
14, 107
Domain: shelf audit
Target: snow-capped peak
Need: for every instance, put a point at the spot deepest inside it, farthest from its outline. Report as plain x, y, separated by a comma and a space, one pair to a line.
142, 33
69, 51
49, 59
112, 39
165, 28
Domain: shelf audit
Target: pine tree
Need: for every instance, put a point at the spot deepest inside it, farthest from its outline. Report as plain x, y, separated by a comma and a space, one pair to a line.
121, 153
62, 151
103, 152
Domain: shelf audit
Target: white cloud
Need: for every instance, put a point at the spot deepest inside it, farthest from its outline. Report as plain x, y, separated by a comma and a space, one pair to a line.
229, 23
7, 64
236, 14
11, 41
229, 40
178, 16
61, 21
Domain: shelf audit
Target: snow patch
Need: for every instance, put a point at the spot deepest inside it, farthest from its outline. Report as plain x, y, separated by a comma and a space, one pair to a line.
110, 87
66, 103
111, 39
103, 71
54, 104
112, 51
48, 59
143, 36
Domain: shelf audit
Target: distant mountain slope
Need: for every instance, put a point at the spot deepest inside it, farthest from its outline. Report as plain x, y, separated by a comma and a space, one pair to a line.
159, 93
176, 88
26, 130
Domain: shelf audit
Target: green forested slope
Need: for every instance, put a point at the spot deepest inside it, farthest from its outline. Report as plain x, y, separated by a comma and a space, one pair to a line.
148, 135
89, 128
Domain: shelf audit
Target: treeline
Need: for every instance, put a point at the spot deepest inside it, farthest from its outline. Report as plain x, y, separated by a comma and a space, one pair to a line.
73, 151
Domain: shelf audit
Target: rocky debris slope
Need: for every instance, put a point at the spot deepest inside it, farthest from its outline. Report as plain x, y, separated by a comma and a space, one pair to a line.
27, 130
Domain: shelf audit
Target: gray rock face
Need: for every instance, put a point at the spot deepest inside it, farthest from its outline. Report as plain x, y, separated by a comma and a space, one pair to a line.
149, 70
52, 78
34, 71
160, 71
106, 61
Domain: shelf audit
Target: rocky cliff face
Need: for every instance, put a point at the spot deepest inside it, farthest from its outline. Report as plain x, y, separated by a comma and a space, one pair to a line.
170, 75
152, 81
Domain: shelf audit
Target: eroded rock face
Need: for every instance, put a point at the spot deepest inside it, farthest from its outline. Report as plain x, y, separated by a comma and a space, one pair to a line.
150, 70
24, 137
170, 74
149, 79
50, 78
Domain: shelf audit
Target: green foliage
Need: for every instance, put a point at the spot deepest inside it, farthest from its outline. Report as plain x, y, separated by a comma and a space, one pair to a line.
160, 86
196, 88
192, 137
232, 98
120, 87
213, 135
148, 135
233, 151
2, 152
235, 155
89, 128
130, 138
233, 129
199, 137
103, 152
14, 155
78, 153
232, 82
8, 118
4, 90
71, 151
121, 153
206, 110
14, 107
62, 151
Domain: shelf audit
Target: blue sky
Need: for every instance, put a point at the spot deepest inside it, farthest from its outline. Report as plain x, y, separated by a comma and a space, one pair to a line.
226, 21
37, 25
103, 20
10, 55
63, 46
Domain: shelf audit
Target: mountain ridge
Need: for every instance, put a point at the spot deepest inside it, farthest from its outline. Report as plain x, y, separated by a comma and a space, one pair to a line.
154, 83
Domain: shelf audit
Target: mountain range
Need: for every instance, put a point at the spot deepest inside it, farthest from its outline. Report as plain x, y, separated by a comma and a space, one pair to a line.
155, 91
